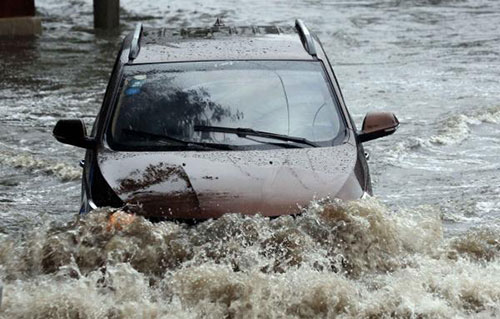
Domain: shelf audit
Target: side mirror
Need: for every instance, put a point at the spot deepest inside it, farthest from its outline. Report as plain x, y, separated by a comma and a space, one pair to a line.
73, 132
378, 124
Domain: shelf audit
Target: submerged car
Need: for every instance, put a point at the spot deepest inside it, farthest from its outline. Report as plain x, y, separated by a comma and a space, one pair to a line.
200, 122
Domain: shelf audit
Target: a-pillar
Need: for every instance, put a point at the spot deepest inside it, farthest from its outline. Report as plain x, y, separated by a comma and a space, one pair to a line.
17, 18
106, 14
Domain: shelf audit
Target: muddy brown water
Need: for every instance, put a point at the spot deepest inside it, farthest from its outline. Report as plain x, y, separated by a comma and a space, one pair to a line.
428, 245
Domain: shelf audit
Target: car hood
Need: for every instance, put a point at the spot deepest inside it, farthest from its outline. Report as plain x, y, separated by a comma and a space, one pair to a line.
203, 185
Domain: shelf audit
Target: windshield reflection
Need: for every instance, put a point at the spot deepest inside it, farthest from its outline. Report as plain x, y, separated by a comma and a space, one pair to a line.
287, 98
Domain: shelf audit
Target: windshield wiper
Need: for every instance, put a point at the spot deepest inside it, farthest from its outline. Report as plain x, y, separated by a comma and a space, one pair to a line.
179, 141
244, 132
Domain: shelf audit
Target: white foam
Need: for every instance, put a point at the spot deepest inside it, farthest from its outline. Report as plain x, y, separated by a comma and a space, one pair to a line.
30, 162
349, 260
457, 128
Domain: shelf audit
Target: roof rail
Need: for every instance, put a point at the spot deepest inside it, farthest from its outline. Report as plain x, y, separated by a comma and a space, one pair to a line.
306, 37
134, 44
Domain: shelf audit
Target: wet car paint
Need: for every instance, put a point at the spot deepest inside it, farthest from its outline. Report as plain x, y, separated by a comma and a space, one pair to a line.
204, 185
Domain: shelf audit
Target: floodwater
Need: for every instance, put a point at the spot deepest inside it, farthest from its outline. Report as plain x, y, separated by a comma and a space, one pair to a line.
427, 246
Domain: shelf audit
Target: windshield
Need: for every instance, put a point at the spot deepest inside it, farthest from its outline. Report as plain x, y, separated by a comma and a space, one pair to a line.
161, 105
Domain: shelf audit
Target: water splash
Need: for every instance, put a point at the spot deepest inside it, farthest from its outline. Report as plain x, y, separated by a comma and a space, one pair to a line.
355, 259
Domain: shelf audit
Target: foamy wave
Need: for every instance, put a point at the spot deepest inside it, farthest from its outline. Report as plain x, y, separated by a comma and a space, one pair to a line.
353, 260
456, 129
29, 162
453, 130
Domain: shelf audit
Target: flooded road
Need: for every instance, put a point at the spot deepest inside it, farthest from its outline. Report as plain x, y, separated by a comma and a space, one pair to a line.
428, 246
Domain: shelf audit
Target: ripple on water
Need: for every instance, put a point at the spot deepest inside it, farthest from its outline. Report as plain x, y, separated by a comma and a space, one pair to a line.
34, 164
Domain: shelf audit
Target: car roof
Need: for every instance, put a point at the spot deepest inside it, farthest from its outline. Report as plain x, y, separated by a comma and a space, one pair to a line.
218, 43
